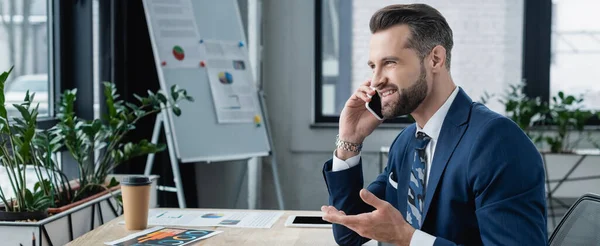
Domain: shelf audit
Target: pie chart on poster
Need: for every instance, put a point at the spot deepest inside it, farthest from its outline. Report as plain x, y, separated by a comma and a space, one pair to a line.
178, 53
225, 78
212, 216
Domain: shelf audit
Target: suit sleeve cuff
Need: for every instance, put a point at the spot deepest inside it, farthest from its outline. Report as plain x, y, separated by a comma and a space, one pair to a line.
422, 238
340, 165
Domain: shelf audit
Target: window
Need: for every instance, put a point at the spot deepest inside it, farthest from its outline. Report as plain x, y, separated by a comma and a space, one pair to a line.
24, 45
487, 53
576, 50
333, 56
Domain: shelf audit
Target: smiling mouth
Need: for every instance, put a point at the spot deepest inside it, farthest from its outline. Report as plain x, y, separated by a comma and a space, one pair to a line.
387, 93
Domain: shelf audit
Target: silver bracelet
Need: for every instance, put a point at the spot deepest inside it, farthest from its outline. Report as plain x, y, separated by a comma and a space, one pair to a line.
347, 146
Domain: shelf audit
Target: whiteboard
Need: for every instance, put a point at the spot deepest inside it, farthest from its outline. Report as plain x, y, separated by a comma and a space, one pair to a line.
197, 135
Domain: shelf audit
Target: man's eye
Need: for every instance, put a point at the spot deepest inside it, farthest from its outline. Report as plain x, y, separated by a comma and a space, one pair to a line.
388, 62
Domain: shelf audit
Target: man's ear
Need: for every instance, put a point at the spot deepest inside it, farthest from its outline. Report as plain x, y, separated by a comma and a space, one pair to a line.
438, 57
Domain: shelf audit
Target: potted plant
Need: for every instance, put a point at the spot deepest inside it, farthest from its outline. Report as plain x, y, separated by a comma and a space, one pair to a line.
568, 116
18, 159
558, 125
83, 138
524, 111
72, 207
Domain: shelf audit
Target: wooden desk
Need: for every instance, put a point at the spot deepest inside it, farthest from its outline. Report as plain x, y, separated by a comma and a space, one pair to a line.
276, 235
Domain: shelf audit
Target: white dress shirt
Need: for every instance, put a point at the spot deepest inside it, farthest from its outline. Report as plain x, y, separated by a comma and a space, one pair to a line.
432, 129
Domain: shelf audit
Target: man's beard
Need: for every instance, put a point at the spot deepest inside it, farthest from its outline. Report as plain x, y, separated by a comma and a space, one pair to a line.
408, 99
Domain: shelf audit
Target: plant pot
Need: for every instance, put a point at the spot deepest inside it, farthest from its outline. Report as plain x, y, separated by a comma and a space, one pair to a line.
82, 201
63, 227
23, 216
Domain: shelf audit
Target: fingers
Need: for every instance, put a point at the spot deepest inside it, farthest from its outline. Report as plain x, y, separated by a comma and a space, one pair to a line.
364, 93
333, 215
366, 83
372, 200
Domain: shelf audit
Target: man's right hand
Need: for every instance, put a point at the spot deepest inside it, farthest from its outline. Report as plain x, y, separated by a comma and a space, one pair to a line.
356, 122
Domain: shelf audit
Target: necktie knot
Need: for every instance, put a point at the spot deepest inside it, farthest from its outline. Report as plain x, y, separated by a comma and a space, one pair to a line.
422, 140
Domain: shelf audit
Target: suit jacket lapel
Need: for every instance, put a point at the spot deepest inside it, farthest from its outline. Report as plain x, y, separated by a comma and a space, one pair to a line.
452, 131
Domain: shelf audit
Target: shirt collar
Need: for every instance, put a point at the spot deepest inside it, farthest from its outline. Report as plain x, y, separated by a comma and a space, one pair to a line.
433, 127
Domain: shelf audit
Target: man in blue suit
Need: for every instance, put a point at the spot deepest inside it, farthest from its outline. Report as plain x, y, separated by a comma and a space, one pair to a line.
462, 175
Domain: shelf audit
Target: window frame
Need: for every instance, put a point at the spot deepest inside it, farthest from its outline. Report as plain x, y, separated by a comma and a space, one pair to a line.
45, 122
537, 52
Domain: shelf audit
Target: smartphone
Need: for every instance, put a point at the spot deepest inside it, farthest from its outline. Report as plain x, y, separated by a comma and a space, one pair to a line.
306, 221
374, 106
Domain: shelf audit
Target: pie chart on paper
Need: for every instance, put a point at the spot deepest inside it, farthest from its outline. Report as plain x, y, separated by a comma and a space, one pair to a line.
178, 53
225, 78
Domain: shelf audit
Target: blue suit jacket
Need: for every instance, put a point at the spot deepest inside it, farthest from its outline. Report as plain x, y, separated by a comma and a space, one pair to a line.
486, 183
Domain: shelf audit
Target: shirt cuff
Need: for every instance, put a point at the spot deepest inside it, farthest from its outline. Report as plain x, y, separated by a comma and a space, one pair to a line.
339, 165
422, 238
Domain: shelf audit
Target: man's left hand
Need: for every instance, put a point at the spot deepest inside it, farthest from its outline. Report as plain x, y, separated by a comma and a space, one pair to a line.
385, 224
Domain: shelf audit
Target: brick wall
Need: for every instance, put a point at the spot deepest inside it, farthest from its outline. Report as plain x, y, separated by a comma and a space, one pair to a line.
487, 42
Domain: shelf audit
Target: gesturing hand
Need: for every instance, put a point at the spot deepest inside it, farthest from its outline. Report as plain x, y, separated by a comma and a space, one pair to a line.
385, 224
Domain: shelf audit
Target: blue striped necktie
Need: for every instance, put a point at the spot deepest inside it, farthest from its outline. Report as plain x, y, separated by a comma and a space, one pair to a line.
416, 186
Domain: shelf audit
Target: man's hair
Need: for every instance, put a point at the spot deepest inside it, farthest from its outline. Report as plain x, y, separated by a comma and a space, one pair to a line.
427, 25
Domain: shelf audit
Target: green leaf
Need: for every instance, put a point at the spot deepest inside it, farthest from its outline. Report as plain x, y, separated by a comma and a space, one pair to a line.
20, 121
132, 106
176, 111
42, 204
24, 112
36, 187
174, 92
3, 78
113, 182
189, 98
56, 140
109, 94
28, 197
139, 98
162, 98
114, 123
31, 97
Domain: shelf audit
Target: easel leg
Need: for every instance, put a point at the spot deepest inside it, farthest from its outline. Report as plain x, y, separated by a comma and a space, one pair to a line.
276, 180
174, 165
155, 134
261, 98
253, 182
160, 119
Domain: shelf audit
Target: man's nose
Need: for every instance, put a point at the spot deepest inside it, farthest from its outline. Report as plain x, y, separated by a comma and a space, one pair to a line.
378, 80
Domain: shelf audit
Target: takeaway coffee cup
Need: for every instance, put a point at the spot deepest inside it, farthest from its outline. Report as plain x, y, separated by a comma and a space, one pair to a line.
136, 198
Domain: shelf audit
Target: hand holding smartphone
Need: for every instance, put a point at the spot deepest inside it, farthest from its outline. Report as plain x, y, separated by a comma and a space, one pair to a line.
374, 106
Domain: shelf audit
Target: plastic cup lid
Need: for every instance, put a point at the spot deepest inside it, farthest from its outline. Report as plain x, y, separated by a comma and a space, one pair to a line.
135, 180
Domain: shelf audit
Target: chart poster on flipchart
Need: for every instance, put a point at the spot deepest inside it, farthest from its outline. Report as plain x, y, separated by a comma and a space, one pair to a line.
177, 38
230, 81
